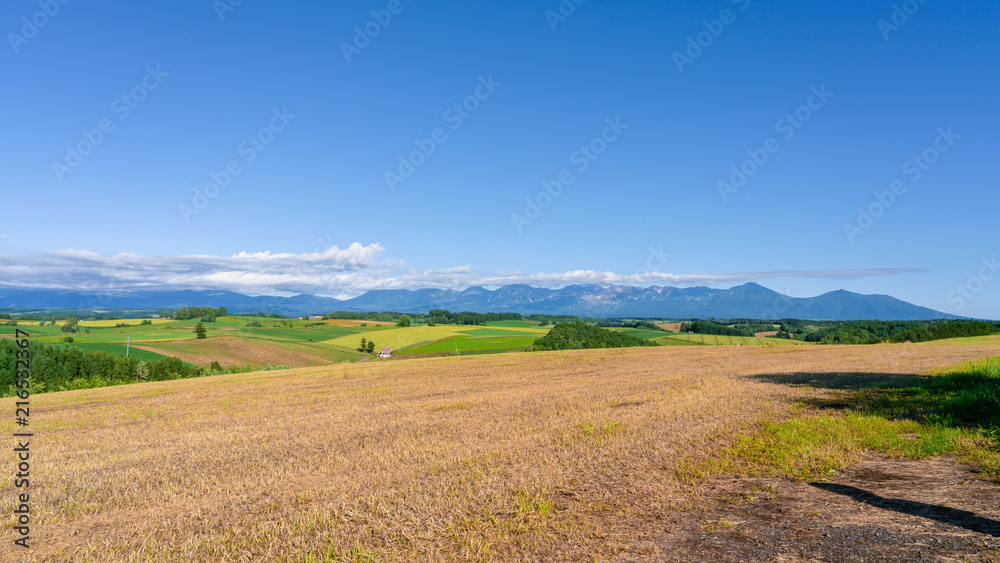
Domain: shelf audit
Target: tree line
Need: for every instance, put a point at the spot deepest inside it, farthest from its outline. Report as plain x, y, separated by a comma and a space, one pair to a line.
577, 335
874, 332
705, 327
56, 367
648, 325
206, 314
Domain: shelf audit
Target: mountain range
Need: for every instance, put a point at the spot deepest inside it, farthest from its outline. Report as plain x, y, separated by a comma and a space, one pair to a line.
749, 300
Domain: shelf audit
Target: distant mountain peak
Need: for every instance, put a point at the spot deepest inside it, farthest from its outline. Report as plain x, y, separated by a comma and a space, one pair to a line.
750, 300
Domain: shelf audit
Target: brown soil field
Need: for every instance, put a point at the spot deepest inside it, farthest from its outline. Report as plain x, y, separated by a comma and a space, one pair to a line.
234, 351
558, 456
672, 327
765, 334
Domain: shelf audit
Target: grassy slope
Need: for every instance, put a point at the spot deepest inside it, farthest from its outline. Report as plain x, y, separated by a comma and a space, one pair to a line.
956, 412
514, 324
118, 350
467, 344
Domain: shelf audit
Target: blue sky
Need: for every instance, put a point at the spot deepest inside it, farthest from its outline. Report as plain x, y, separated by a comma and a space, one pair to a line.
310, 116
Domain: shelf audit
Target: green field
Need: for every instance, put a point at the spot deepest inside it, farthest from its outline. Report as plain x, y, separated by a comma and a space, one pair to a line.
397, 338
471, 344
642, 332
329, 341
301, 337
118, 350
533, 332
416, 339
514, 324
33, 330
666, 341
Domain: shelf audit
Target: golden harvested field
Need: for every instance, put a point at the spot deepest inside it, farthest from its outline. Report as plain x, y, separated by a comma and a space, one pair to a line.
514, 457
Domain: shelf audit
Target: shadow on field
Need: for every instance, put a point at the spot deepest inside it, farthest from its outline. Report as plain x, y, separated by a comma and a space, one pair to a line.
960, 518
969, 398
842, 381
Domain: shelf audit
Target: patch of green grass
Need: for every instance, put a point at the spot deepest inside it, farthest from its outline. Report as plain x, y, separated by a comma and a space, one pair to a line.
118, 350
469, 344
671, 341
641, 332
474, 331
33, 330
957, 413
514, 324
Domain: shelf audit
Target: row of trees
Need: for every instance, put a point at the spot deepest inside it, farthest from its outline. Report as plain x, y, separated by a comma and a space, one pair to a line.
206, 314
57, 368
259, 315
648, 325
873, 332
445, 317
577, 335
705, 327
385, 316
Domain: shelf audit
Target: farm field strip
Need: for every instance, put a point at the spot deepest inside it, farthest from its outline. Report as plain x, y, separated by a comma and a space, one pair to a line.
471, 343
236, 351
130, 322
416, 336
717, 340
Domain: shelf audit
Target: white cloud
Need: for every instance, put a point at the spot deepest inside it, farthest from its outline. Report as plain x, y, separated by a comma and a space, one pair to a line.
336, 272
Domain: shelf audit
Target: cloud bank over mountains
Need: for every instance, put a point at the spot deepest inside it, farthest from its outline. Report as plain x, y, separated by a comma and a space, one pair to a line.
337, 272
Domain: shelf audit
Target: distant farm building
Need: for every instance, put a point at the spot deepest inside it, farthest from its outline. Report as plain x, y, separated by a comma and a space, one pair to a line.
316, 317
386, 352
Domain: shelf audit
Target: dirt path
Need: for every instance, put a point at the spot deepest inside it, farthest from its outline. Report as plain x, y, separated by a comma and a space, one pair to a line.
882, 510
